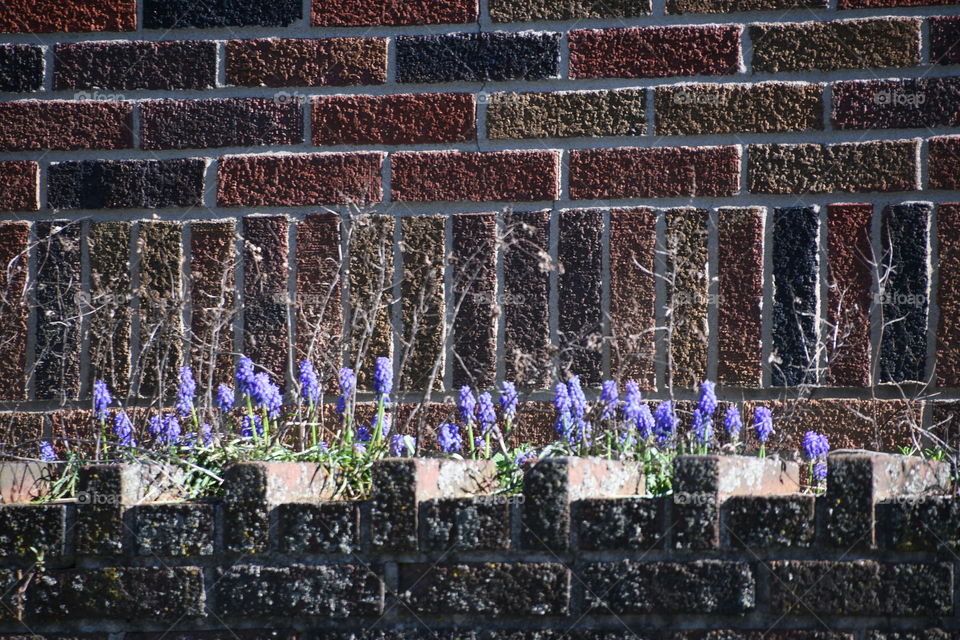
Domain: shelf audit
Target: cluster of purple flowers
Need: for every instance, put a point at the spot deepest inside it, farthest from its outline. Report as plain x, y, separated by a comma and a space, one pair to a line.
101, 399
123, 429
309, 383
816, 447
165, 429
186, 391
383, 378
348, 382
448, 437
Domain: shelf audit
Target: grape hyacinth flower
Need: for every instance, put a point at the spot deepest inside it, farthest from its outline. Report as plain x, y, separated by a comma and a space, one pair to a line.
47, 454
383, 378
348, 382
486, 413
508, 400
708, 399
249, 424
364, 433
702, 431
646, 424
631, 404
523, 457
245, 376
101, 399
171, 429
665, 422
206, 433
403, 446
467, 404
732, 422
815, 445
309, 383
123, 429
610, 398
763, 423
578, 401
561, 402
225, 398
820, 471
267, 395
449, 437
186, 391
155, 427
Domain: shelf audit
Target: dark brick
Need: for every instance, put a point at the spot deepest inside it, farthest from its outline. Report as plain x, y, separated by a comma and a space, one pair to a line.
286, 62
883, 165
755, 108
31, 530
924, 523
838, 44
111, 315
526, 298
687, 292
173, 529
567, 114
866, 4
493, 588
795, 281
56, 368
212, 291
359, 13
423, 309
126, 66
19, 186
655, 52
861, 587
478, 57
529, 10
226, 122
738, 6
370, 280
850, 290
50, 16
299, 180
580, 330
126, 184
758, 522
60, 125
620, 524
160, 247
659, 172
948, 295
465, 524
319, 311
943, 163
896, 104
474, 298
394, 119
21, 68
702, 587
944, 36
265, 297
633, 295
905, 233
740, 289
464, 176
183, 14
323, 527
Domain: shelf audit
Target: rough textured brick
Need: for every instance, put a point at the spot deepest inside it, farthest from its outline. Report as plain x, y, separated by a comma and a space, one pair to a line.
394, 119
299, 180
110, 300
849, 298
173, 530
57, 350
319, 310
655, 52
883, 165
757, 522
736, 6
19, 186
880, 425
265, 297
687, 293
493, 588
126, 184
620, 524
49, 16
633, 295
324, 527
227, 122
287, 62
795, 281
948, 295
212, 290
371, 279
580, 254
465, 524
755, 108
73, 426
838, 44
478, 57
475, 176
659, 172
423, 309
161, 298
21, 68
125, 66
529, 10
944, 35
896, 104
943, 162
359, 13
567, 114
181, 14
905, 295
61, 125
16, 428
861, 587
866, 4
701, 587
526, 298
740, 290
24, 527
474, 299
925, 523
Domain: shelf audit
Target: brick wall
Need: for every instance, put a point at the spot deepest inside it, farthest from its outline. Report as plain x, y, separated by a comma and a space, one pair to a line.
501, 188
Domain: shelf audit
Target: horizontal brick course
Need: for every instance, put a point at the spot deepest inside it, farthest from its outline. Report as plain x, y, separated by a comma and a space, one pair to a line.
19, 186
478, 57
654, 173
567, 114
654, 52
49, 16
126, 184
527, 10
288, 62
736, 6
226, 122
360, 13
21, 68
31, 125
876, 4
127, 66
184, 14
944, 36
895, 104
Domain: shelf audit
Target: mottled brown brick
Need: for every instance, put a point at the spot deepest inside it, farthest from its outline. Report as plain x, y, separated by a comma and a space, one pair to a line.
60, 125
633, 296
871, 4
855, 167
943, 162
529, 10
850, 288
474, 299
110, 299
50, 16
948, 295
687, 294
394, 119
580, 330
740, 295
19, 186
896, 103
359, 13
14, 239
161, 301
18, 429
526, 298
738, 6
212, 290
371, 279
567, 114
265, 272
763, 107
68, 427
838, 44
319, 311
422, 247
127, 66
288, 62
219, 122
944, 39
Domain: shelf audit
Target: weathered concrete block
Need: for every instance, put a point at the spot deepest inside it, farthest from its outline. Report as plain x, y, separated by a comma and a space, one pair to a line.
620, 524
24, 481
465, 524
919, 523
173, 529
31, 531
770, 521
322, 527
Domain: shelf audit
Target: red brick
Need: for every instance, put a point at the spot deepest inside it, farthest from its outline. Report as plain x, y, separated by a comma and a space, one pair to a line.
655, 52
298, 180
480, 176
212, 267
474, 291
228, 122
265, 296
945, 40
876, 4
49, 16
19, 186
394, 119
285, 62
14, 311
360, 13
60, 125
633, 295
943, 157
740, 288
850, 286
15, 430
319, 314
948, 295
654, 173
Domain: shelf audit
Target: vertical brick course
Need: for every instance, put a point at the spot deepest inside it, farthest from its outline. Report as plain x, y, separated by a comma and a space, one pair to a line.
266, 326
423, 309
371, 278
526, 298
474, 299
110, 298
687, 294
795, 280
14, 239
319, 310
580, 254
740, 291
212, 290
948, 295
